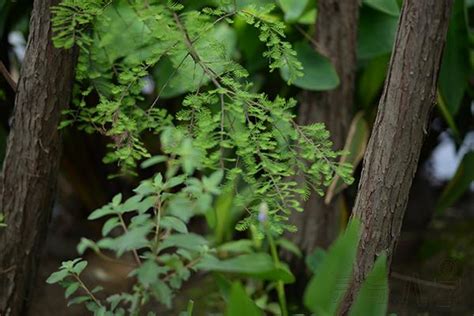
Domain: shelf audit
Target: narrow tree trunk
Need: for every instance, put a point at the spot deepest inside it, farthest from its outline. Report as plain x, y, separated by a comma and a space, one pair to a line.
336, 34
402, 121
32, 160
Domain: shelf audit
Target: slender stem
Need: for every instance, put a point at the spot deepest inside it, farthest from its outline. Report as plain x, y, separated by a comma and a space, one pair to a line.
280, 285
86, 289
158, 220
125, 229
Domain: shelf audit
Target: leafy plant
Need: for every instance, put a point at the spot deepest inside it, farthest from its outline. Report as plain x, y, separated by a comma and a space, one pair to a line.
224, 135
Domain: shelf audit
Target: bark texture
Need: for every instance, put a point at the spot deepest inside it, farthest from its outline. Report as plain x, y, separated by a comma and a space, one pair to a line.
336, 35
393, 151
31, 164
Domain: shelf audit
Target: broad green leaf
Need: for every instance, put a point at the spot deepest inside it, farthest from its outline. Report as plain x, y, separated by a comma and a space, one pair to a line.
71, 289
174, 223
318, 72
289, 246
240, 304
459, 184
148, 272
371, 80
187, 241
110, 224
258, 265
309, 16
79, 267
237, 246
376, 33
293, 9
356, 143
134, 239
372, 298
386, 6
455, 67
313, 260
58, 276
326, 289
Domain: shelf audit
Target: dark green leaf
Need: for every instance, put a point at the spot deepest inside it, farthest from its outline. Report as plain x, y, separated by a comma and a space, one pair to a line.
453, 77
376, 33
372, 298
319, 73
240, 304
459, 184
327, 287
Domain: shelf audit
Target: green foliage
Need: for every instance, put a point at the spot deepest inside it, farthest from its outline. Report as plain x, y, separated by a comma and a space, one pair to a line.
376, 33
372, 299
334, 272
240, 303
227, 149
455, 68
318, 74
332, 277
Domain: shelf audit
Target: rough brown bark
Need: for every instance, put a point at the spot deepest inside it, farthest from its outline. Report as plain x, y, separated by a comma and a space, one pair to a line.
336, 34
32, 159
402, 120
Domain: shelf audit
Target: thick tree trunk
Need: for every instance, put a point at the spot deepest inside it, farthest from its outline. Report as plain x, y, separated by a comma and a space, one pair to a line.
402, 121
336, 34
32, 160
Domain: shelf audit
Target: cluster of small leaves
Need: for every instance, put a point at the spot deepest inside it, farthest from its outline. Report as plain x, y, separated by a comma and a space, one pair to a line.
223, 121
72, 19
148, 225
272, 33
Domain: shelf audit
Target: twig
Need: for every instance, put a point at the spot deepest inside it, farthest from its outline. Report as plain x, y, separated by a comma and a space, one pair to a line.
7, 76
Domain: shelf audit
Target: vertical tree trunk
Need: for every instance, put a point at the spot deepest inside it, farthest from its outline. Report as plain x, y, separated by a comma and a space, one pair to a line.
32, 160
336, 34
402, 121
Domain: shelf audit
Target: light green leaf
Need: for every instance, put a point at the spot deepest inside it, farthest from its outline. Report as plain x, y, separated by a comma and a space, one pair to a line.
71, 289
372, 298
293, 9
237, 246
318, 72
240, 304
257, 265
187, 241
326, 289
387, 6
289, 246
79, 267
110, 224
57, 276
174, 223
